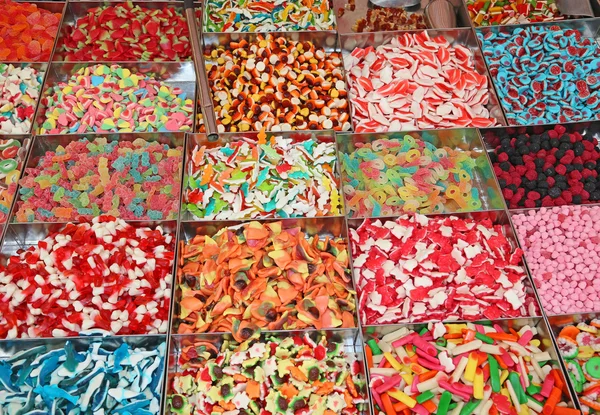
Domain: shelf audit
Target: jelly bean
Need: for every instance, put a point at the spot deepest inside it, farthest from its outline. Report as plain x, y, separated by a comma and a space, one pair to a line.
88, 376
430, 185
418, 268
416, 82
304, 373
507, 12
384, 19
440, 383
565, 87
277, 84
101, 98
561, 247
27, 32
102, 277
275, 277
127, 32
19, 92
249, 179
548, 169
267, 16
137, 180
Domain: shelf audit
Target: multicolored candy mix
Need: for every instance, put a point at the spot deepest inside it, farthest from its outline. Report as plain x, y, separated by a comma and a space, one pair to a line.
127, 179
506, 12
19, 92
283, 177
267, 15
579, 346
544, 74
11, 157
416, 82
264, 275
277, 84
105, 277
27, 32
390, 176
88, 379
417, 268
466, 369
101, 98
301, 375
125, 32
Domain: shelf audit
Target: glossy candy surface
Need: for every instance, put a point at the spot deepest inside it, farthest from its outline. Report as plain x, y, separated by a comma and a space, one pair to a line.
281, 177
264, 275
303, 373
19, 92
418, 268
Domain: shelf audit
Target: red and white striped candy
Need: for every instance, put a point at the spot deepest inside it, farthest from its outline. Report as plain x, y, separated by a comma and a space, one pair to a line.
416, 82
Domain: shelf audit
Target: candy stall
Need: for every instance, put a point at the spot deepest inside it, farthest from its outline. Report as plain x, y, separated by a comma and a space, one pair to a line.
307, 207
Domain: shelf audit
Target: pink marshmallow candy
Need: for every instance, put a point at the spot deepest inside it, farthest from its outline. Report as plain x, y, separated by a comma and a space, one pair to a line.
562, 247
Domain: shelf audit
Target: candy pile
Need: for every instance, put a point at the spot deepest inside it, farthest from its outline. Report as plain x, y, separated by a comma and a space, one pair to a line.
443, 268
267, 15
101, 98
277, 84
382, 19
257, 275
10, 160
128, 179
19, 92
390, 176
27, 32
466, 369
544, 74
416, 82
549, 169
308, 374
580, 347
562, 248
125, 32
89, 379
102, 277
250, 179
505, 12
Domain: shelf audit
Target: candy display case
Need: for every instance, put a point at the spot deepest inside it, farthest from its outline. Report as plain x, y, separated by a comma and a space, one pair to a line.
42, 21
13, 153
231, 16
86, 273
390, 348
376, 163
240, 171
300, 277
135, 176
361, 16
311, 361
410, 101
94, 374
20, 90
562, 57
177, 78
401, 277
151, 31
577, 338
500, 13
561, 177
313, 99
